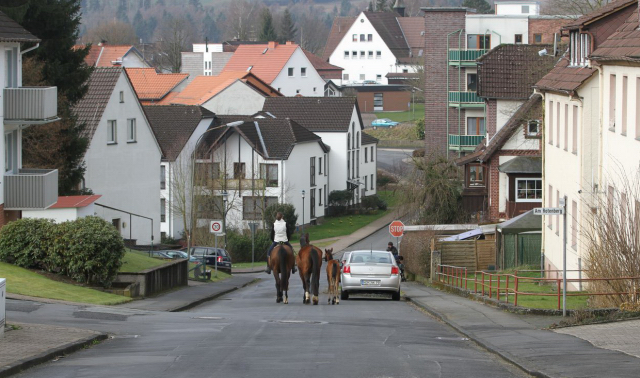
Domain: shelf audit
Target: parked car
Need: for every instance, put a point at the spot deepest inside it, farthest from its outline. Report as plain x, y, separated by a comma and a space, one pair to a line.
183, 255
371, 272
345, 257
383, 122
212, 254
160, 255
370, 82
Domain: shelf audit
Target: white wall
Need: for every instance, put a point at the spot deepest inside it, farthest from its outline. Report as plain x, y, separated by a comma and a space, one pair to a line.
126, 174
297, 84
516, 8
236, 99
502, 28
504, 110
368, 168
132, 60
58, 215
369, 67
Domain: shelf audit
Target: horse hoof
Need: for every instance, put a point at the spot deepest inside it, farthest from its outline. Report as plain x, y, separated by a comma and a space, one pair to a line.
315, 300
286, 301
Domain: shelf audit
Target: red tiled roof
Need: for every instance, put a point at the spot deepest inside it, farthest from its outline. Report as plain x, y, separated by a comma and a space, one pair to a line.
610, 8
105, 55
150, 85
563, 78
203, 88
263, 61
166, 100
338, 30
623, 45
318, 63
65, 202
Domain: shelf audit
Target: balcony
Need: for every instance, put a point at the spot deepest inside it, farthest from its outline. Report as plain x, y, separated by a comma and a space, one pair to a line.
30, 105
466, 100
464, 142
30, 189
235, 184
464, 58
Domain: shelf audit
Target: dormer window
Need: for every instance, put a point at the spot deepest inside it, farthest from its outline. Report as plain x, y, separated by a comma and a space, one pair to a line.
580, 48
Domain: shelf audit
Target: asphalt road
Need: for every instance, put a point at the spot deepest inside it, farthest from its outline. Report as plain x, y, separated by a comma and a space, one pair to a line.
391, 160
246, 334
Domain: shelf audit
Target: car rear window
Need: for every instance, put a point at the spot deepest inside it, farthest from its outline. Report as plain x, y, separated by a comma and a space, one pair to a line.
370, 257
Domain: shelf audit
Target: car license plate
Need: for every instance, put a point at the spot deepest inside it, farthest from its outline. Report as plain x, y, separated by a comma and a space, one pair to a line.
369, 282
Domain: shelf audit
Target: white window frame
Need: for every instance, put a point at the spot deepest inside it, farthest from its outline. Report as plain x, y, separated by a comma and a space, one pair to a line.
291, 72
527, 199
112, 131
378, 54
346, 54
303, 71
131, 130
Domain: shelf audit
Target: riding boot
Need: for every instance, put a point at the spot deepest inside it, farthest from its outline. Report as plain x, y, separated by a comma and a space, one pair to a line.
294, 270
268, 270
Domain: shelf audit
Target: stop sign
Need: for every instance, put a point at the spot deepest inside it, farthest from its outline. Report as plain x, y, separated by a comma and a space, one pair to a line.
396, 228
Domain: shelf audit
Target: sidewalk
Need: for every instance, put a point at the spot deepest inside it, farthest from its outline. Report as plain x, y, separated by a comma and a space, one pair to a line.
521, 339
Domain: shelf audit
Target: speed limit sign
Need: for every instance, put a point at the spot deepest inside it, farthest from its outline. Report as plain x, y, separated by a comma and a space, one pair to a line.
215, 227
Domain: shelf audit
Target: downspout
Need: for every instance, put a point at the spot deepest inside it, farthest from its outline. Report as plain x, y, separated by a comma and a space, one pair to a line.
460, 104
30, 49
447, 89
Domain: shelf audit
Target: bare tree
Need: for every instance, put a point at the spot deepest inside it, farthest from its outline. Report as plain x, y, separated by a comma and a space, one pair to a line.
175, 35
573, 7
113, 32
241, 19
313, 34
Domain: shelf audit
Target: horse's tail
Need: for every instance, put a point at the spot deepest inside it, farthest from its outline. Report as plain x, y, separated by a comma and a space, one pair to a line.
315, 272
282, 255
334, 271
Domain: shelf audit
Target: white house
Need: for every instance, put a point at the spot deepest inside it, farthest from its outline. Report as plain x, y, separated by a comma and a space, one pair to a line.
283, 66
123, 157
68, 208
22, 189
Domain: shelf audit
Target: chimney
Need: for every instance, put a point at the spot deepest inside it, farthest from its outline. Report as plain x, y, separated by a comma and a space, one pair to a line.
272, 44
289, 43
399, 7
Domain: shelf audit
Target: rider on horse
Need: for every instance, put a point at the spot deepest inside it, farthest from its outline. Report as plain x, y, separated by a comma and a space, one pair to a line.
280, 235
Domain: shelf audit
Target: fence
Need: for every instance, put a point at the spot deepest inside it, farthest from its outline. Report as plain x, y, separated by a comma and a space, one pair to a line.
520, 249
502, 286
473, 255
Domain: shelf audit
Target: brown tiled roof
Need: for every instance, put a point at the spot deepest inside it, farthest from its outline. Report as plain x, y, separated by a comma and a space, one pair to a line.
413, 29
563, 78
318, 63
604, 11
510, 71
150, 85
623, 45
90, 108
369, 139
387, 25
173, 125
11, 31
339, 28
261, 60
316, 114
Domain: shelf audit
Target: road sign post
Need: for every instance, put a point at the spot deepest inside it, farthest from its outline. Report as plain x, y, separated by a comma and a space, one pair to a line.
253, 226
396, 228
216, 227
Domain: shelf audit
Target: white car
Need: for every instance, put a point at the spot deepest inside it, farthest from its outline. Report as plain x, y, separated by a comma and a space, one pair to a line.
345, 257
370, 272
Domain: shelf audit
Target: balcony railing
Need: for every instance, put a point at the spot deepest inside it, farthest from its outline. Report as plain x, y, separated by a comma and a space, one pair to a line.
464, 142
459, 57
235, 184
30, 105
465, 100
31, 189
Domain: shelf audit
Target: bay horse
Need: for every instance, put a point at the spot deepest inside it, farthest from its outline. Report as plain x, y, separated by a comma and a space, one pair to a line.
333, 276
309, 262
281, 263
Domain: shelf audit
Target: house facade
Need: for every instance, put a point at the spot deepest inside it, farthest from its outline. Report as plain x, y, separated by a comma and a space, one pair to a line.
123, 157
22, 188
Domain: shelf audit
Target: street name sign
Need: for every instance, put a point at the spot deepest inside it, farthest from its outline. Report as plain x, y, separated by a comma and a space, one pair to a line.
548, 211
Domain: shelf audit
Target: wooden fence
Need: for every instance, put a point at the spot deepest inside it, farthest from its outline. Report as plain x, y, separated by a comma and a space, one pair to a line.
473, 255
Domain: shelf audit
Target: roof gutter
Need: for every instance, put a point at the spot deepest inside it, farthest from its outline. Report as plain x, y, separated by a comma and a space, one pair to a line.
30, 49
264, 148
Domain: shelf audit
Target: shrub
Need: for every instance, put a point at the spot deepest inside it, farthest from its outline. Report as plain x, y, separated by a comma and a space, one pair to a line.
239, 245
26, 242
340, 197
374, 202
419, 127
419, 153
383, 179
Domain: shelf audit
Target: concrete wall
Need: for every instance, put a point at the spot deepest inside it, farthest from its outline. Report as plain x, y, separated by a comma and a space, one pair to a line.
310, 85
126, 173
171, 275
392, 101
133, 60
515, 8
238, 98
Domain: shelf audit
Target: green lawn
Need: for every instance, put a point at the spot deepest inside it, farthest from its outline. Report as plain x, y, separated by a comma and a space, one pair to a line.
136, 261
25, 282
406, 116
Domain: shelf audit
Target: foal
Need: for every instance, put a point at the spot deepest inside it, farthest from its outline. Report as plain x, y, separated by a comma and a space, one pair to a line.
333, 276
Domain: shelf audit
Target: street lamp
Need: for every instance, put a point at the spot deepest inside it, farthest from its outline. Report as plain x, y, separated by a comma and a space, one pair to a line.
225, 195
302, 233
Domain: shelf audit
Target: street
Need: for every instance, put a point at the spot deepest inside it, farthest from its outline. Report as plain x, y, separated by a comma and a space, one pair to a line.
246, 334
391, 160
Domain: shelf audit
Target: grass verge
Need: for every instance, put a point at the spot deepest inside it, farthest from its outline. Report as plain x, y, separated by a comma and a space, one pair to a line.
25, 282
416, 112
136, 261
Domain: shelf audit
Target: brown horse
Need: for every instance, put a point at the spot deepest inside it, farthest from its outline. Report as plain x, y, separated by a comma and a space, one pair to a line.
333, 276
309, 262
281, 262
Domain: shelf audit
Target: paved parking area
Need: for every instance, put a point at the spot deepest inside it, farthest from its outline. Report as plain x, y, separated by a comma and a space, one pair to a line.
621, 336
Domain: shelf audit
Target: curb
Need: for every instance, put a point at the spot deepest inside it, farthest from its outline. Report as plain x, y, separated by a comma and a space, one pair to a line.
211, 297
69, 348
482, 344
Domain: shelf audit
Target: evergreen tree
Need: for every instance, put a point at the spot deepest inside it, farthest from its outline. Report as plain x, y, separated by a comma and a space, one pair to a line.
209, 28
287, 28
370, 7
480, 5
267, 30
121, 13
381, 5
345, 8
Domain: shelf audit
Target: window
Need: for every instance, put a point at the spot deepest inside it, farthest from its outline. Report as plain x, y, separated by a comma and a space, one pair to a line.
518, 38
312, 203
346, 55
303, 71
357, 163
355, 38
290, 71
574, 225
371, 153
370, 54
320, 166
472, 82
325, 167
369, 37
378, 101
269, 173
163, 210
131, 130
366, 150
550, 204
537, 38
238, 171
579, 48
550, 136
348, 165
557, 205
312, 171
362, 76
566, 127
623, 126
378, 78
525, 9
252, 207
475, 126
112, 130
354, 54
558, 124
612, 103
297, 91
11, 68
361, 54
362, 38
637, 104
475, 176
121, 97
320, 197
378, 54
344, 77
163, 177
371, 181
353, 164
533, 128
314, 89
366, 181
478, 42
10, 151
357, 142
348, 141
529, 190
574, 148
325, 194
405, 70
420, 52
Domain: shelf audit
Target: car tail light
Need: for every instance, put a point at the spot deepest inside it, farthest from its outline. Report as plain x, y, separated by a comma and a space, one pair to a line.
219, 259
346, 269
395, 270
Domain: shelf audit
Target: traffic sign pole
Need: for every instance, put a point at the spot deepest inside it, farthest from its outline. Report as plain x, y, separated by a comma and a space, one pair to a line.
563, 203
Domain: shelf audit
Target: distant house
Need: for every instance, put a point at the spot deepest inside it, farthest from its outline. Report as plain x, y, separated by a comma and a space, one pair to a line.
285, 67
123, 157
154, 88
21, 188
331, 74
68, 208
105, 55
206, 59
